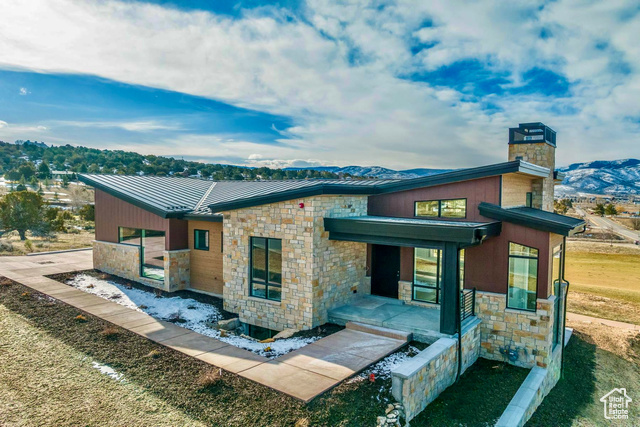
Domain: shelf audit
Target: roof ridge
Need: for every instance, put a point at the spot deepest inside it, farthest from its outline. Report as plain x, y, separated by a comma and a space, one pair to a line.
204, 197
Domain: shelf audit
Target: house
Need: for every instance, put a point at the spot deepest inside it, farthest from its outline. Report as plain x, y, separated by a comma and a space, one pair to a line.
479, 243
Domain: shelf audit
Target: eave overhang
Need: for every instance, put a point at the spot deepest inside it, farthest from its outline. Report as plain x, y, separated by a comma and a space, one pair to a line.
534, 218
412, 232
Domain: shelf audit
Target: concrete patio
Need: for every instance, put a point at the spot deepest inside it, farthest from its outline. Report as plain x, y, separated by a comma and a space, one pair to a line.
422, 322
303, 374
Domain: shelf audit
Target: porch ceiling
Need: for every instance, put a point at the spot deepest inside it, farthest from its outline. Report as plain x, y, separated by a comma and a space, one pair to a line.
409, 231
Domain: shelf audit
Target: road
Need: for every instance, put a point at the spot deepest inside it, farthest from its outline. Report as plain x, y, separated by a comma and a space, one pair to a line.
608, 224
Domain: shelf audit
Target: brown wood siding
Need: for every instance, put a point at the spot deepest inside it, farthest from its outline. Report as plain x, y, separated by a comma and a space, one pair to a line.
206, 266
401, 204
112, 213
487, 265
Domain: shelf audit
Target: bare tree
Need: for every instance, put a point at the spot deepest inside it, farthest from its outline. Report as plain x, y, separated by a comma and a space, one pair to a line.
79, 196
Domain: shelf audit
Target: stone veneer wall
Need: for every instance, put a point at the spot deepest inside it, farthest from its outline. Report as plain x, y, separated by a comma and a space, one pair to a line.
532, 392
123, 260
530, 333
421, 379
177, 269
317, 273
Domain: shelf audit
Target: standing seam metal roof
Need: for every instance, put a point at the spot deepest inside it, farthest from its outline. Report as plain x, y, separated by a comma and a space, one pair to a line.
173, 197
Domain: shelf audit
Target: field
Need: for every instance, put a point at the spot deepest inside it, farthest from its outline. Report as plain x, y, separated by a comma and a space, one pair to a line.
605, 280
10, 244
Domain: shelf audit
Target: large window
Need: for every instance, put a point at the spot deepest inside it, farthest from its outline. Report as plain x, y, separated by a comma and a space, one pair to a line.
201, 240
266, 268
453, 208
427, 268
151, 244
523, 277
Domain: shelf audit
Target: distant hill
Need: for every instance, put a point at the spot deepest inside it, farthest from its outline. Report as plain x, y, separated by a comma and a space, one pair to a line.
376, 171
614, 177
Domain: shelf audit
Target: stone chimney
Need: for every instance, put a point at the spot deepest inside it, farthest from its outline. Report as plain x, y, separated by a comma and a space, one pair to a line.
536, 143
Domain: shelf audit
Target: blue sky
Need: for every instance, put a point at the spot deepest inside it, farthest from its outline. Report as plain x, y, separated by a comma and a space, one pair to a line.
399, 84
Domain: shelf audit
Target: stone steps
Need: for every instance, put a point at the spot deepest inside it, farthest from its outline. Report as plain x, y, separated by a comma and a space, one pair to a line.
379, 330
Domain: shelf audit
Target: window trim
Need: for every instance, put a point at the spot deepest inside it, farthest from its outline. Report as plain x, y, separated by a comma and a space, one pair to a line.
195, 240
509, 256
415, 208
266, 282
438, 288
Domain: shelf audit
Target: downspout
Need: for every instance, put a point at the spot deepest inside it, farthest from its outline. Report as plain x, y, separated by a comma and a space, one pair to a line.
564, 305
458, 316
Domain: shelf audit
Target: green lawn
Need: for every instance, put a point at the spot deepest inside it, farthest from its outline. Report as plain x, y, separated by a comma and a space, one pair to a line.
604, 284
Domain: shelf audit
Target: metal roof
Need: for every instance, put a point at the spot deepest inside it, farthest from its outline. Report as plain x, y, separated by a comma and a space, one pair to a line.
534, 218
409, 231
173, 197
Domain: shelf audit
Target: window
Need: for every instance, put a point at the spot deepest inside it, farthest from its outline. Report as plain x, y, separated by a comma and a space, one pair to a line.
529, 201
427, 269
431, 208
266, 268
201, 240
453, 208
523, 277
151, 245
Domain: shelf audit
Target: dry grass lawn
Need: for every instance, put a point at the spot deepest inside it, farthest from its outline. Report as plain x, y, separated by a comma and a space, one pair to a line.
44, 381
62, 241
598, 359
605, 280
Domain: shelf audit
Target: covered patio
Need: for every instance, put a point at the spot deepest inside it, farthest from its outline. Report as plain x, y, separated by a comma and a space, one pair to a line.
427, 321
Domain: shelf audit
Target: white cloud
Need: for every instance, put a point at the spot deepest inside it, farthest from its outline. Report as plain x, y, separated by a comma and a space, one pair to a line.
338, 72
135, 126
12, 131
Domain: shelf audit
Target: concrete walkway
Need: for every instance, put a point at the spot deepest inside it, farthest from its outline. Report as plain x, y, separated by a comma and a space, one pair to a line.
574, 317
303, 374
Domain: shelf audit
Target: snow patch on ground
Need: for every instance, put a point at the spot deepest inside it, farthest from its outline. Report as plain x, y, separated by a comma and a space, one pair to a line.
185, 312
382, 369
107, 370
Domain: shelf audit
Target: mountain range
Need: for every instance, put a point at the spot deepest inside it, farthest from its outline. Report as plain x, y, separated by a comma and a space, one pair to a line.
612, 177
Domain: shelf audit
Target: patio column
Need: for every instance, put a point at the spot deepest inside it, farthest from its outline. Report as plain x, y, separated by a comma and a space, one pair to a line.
450, 292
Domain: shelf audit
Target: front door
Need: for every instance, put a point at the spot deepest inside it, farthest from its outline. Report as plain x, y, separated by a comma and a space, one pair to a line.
385, 270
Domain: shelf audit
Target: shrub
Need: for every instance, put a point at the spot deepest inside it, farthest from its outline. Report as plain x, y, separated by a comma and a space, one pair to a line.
6, 246
110, 332
153, 354
28, 245
209, 379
